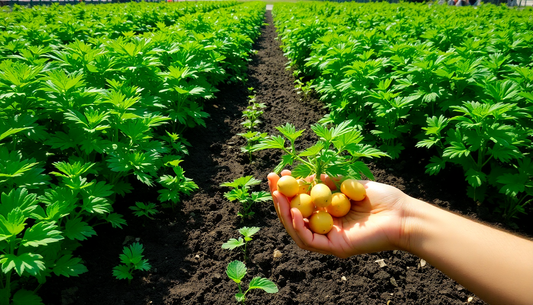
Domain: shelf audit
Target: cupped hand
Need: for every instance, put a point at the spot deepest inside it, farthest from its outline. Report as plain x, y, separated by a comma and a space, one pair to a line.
372, 225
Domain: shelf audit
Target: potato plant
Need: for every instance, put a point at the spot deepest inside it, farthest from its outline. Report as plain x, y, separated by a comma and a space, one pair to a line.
236, 271
241, 192
233, 243
458, 87
337, 152
251, 115
132, 260
95, 97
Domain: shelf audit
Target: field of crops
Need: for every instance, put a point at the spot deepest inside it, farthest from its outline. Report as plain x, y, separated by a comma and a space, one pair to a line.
127, 136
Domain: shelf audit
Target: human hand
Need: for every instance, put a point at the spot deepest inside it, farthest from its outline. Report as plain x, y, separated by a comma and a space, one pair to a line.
372, 225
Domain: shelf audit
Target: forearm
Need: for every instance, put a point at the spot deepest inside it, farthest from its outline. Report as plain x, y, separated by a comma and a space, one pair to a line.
495, 265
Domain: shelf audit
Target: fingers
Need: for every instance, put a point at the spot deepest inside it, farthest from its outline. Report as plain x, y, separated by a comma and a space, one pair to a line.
273, 182
285, 172
286, 217
293, 220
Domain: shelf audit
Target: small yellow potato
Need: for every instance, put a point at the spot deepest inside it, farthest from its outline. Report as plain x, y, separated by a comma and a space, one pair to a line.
340, 205
303, 203
321, 195
288, 186
321, 222
353, 189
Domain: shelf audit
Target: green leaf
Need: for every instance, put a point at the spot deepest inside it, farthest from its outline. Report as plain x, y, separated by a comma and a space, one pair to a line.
72, 170
233, 243
361, 167
143, 265
264, 284
285, 160
513, 183
41, 234
456, 150
290, 132
12, 131
26, 262
249, 231
132, 254
236, 271
302, 171
18, 198
323, 132
273, 142
239, 297
26, 297
313, 150
245, 182
342, 129
116, 220
435, 166
122, 272
261, 196
69, 266
13, 224
475, 178
77, 229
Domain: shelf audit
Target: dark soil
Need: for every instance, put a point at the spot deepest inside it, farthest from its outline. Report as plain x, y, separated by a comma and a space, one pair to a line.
184, 245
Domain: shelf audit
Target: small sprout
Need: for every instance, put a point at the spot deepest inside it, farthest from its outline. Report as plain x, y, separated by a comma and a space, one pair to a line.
235, 243
252, 138
237, 270
141, 209
241, 192
132, 259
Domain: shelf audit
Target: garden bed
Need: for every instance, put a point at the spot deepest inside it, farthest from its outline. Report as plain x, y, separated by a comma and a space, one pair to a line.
184, 245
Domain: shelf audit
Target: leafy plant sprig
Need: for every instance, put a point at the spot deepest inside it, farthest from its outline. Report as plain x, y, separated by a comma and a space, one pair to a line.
132, 259
233, 243
336, 153
237, 270
252, 138
141, 209
241, 192
252, 114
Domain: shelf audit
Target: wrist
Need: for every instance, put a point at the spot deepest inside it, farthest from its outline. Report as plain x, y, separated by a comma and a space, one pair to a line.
416, 217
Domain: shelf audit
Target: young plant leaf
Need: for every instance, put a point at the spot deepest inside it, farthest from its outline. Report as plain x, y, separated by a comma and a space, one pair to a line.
236, 271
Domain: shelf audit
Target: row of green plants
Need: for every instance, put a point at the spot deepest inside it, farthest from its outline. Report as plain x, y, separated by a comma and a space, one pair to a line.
62, 24
241, 191
457, 82
81, 120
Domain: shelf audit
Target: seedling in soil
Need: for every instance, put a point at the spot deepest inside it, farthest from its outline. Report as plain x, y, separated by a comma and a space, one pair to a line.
141, 209
243, 243
132, 259
252, 138
237, 270
252, 113
241, 192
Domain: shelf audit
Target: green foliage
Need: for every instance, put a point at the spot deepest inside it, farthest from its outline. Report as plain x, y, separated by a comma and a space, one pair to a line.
241, 192
92, 97
236, 271
336, 153
233, 243
410, 73
132, 259
251, 115
141, 209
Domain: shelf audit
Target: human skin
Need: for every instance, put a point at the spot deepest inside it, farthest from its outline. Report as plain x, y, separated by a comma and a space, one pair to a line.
493, 264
